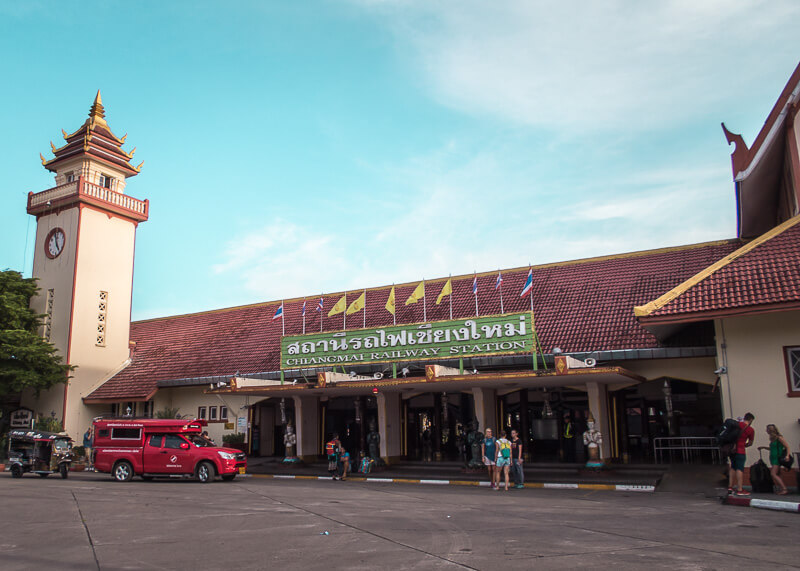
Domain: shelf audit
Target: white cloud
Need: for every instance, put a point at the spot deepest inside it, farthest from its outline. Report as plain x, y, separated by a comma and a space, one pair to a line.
577, 66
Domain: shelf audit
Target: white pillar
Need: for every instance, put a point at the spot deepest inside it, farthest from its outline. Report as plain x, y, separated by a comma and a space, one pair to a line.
389, 425
485, 408
306, 418
598, 405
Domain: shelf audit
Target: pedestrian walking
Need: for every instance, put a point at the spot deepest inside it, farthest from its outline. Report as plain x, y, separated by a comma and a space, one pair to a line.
489, 452
780, 457
503, 458
332, 449
88, 440
516, 460
739, 457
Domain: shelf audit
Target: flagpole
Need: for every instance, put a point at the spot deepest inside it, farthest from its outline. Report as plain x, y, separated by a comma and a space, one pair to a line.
530, 269
501, 291
475, 291
321, 311
283, 318
424, 302
450, 277
394, 313
365, 308
304, 316
344, 312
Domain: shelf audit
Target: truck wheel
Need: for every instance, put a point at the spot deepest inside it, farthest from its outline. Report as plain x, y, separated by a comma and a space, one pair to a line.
123, 471
16, 471
64, 470
204, 472
228, 477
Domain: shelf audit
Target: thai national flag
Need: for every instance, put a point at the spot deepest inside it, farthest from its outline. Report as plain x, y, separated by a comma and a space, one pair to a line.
475, 285
304, 309
278, 313
528, 284
499, 281
319, 305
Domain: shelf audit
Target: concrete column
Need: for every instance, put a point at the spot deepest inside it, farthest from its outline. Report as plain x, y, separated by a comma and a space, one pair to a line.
306, 415
598, 404
389, 426
486, 408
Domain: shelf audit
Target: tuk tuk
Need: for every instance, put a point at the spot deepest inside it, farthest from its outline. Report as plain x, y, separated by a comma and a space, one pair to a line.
42, 453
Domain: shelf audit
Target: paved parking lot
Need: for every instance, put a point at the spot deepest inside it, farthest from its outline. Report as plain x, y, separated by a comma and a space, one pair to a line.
91, 522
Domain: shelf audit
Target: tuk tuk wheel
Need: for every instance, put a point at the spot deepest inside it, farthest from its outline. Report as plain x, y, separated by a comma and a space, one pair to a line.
123, 471
64, 471
16, 471
205, 473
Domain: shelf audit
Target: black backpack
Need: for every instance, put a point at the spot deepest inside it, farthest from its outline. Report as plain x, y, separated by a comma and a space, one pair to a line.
729, 432
760, 480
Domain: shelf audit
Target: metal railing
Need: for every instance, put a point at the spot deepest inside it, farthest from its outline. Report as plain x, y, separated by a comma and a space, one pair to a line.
688, 448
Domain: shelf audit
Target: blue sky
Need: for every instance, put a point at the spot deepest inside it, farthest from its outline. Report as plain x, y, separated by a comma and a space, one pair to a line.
295, 148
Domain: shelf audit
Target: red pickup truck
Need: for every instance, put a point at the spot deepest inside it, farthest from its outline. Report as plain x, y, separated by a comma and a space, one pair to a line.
153, 447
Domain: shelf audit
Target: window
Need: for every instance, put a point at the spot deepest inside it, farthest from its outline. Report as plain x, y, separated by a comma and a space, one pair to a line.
70, 177
102, 433
148, 409
105, 181
173, 441
126, 433
102, 312
48, 316
155, 441
223, 413
201, 412
792, 356
212, 413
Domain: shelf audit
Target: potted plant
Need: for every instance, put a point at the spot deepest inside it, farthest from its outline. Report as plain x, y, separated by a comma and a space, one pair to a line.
234, 440
78, 459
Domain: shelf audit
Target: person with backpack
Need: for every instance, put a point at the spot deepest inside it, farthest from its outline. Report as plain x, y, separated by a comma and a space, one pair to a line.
332, 449
489, 452
780, 456
502, 458
516, 460
739, 457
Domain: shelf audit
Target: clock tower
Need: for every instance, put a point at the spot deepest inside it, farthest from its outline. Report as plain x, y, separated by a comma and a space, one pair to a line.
83, 261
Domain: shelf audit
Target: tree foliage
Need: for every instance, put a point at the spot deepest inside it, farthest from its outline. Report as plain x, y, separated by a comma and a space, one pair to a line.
26, 360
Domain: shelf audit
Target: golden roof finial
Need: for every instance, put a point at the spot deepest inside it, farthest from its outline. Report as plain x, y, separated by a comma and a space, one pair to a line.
52, 146
122, 140
64, 134
139, 166
97, 111
41, 156
133, 151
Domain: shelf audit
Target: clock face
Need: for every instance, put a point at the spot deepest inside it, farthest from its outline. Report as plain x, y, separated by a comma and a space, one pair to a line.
54, 243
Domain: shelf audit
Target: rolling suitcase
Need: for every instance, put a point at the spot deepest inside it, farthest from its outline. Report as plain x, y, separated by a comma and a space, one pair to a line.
760, 480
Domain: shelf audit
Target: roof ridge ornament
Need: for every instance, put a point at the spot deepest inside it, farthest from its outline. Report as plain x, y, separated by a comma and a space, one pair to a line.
97, 110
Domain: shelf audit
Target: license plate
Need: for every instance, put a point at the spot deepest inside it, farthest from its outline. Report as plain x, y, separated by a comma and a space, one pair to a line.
241, 470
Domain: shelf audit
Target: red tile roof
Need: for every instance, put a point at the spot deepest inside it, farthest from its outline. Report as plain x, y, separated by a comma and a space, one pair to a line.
762, 275
584, 305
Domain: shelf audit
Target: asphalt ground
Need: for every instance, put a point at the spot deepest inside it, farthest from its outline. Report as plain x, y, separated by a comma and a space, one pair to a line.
90, 522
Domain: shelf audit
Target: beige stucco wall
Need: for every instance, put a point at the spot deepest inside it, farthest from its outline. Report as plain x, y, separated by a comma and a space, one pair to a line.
188, 399
756, 378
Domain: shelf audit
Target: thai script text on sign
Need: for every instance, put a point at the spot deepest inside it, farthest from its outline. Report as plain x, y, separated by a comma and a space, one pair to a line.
507, 334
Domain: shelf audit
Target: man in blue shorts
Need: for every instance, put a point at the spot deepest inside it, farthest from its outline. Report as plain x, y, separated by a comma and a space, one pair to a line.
739, 457
489, 451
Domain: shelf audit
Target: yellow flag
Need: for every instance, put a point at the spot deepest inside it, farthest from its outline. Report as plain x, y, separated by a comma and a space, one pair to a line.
358, 304
339, 307
418, 294
390, 302
446, 290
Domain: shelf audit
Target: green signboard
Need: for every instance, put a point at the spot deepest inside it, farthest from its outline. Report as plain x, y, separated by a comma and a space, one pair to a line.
506, 334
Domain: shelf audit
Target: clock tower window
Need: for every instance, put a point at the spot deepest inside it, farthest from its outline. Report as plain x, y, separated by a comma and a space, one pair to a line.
102, 313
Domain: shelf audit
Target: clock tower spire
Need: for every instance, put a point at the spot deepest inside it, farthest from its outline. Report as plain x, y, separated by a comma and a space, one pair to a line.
83, 261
